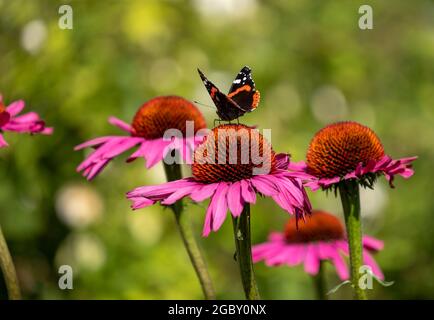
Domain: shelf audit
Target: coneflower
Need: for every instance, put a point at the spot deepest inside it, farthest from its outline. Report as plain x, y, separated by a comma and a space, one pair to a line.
316, 240
152, 120
29, 122
11, 121
343, 156
147, 132
231, 166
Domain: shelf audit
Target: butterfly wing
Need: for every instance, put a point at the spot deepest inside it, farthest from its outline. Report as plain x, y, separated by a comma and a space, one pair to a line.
227, 109
243, 91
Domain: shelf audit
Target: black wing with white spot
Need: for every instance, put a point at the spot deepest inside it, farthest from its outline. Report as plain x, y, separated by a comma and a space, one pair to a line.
243, 91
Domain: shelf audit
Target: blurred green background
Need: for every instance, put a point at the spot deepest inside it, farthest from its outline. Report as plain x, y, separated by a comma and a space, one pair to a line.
312, 64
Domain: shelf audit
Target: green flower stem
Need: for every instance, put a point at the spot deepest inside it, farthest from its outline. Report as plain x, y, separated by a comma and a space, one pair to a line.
320, 282
173, 172
244, 253
8, 269
350, 197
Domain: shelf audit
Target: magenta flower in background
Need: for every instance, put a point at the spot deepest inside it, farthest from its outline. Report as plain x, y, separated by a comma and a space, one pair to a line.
229, 185
26, 123
348, 151
320, 237
146, 131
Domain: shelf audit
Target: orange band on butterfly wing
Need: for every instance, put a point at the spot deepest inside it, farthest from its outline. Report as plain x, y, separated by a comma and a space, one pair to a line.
256, 98
243, 88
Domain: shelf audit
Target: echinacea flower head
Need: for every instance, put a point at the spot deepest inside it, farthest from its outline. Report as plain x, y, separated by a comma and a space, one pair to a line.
26, 123
231, 166
320, 237
348, 150
148, 130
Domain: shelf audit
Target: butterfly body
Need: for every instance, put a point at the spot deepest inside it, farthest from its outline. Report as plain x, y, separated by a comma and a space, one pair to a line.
242, 97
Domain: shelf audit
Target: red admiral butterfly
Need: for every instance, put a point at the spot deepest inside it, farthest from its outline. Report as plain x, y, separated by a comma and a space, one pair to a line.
242, 96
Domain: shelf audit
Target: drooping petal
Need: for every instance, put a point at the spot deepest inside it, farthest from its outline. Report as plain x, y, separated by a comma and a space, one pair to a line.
247, 191
217, 209
235, 200
369, 260
96, 168
155, 152
323, 249
140, 152
281, 252
297, 255
338, 260
3, 142
259, 250
340, 265
106, 149
264, 186
311, 261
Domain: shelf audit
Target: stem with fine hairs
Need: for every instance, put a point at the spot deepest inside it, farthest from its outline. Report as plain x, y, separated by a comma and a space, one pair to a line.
244, 253
350, 197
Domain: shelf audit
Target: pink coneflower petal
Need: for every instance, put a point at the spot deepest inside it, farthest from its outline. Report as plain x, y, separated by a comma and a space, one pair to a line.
107, 149
155, 152
15, 107
339, 263
277, 255
27, 123
94, 142
204, 192
369, 260
311, 261
249, 195
217, 210
372, 244
3, 142
320, 238
264, 186
297, 256
234, 198
120, 124
178, 194
141, 152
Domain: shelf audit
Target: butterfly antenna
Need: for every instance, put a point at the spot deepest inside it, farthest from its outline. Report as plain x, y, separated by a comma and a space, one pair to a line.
202, 104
